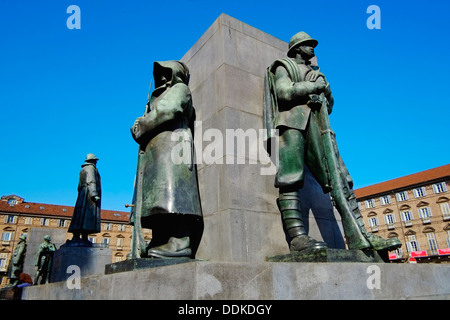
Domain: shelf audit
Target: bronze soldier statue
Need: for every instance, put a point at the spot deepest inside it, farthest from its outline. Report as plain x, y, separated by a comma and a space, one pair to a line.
297, 102
86, 214
18, 259
44, 260
166, 197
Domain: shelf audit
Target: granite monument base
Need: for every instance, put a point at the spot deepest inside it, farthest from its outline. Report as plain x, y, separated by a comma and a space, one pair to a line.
142, 263
332, 255
91, 260
207, 280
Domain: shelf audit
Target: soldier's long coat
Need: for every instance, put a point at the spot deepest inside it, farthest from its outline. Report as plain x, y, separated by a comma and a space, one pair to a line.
86, 214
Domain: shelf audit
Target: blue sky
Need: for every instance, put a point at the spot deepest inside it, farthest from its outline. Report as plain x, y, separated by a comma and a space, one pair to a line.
65, 93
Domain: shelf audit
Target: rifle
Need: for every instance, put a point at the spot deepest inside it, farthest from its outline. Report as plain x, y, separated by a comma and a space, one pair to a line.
341, 192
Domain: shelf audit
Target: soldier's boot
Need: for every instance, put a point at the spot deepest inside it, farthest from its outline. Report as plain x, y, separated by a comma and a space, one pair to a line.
174, 248
377, 243
289, 206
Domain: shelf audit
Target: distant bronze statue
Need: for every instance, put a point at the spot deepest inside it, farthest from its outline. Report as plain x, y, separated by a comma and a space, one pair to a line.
18, 259
86, 214
166, 197
44, 260
297, 102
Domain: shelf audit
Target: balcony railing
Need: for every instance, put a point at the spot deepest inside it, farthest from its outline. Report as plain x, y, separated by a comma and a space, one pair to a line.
408, 223
426, 220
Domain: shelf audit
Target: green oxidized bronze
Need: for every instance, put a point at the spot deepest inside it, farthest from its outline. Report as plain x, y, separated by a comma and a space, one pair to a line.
44, 261
297, 102
86, 214
18, 259
166, 197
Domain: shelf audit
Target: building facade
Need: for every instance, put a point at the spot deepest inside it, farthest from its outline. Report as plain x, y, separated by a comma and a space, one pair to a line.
18, 217
415, 209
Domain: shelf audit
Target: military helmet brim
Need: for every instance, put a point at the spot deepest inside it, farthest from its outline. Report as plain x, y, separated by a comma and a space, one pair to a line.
311, 42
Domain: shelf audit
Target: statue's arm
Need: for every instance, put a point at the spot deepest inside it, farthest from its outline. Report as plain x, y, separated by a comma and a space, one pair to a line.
16, 255
170, 107
287, 90
91, 182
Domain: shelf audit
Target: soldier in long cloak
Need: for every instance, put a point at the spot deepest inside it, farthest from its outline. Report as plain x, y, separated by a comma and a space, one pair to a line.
86, 214
18, 259
297, 102
166, 196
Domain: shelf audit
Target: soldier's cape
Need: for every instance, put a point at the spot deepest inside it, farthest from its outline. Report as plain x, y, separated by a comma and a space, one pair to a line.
270, 104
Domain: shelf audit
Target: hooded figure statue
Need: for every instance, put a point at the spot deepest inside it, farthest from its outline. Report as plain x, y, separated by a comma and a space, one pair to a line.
166, 197
86, 214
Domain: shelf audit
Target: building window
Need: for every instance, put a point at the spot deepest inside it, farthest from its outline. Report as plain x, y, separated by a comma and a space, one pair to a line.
412, 244
7, 236
106, 241
448, 239
425, 214
121, 227
385, 199
390, 220
62, 223
370, 203
373, 223
398, 252
108, 226
10, 219
3, 262
419, 192
119, 242
28, 220
445, 209
432, 244
407, 217
92, 239
440, 187
12, 202
402, 196
45, 222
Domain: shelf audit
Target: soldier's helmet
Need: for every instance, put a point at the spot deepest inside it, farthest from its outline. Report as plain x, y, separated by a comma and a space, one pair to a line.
91, 156
47, 237
300, 38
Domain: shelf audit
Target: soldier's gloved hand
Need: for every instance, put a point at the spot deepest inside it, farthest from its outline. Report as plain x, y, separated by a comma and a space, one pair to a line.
96, 198
320, 85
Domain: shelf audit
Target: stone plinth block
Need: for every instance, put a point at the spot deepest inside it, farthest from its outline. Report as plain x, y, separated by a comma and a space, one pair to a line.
242, 222
142, 263
208, 280
91, 261
330, 255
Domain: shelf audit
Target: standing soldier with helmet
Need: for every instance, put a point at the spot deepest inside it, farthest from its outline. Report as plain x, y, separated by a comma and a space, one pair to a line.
86, 214
297, 102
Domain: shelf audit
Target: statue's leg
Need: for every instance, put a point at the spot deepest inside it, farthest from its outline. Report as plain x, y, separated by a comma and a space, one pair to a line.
171, 237
376, 242
298, 239
289, 179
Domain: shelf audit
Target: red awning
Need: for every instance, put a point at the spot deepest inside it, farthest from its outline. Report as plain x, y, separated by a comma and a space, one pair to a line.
419, 254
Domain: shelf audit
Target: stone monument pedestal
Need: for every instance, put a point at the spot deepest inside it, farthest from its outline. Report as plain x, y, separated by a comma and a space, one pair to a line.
142, 263
332, 255
91, 259
208, 280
